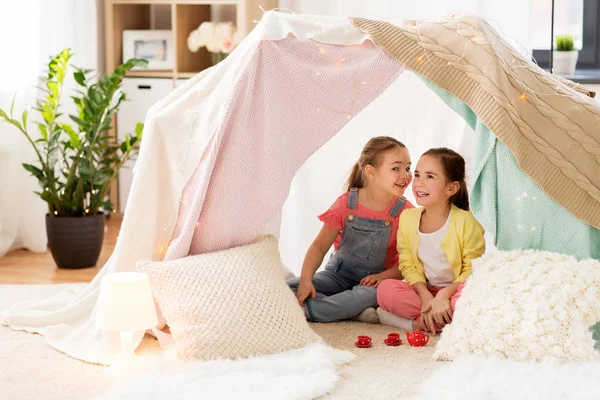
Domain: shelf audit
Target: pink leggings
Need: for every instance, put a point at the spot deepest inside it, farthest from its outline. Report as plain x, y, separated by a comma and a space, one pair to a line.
399, 298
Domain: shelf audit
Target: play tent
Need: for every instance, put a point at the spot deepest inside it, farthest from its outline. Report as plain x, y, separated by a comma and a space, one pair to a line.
220, 152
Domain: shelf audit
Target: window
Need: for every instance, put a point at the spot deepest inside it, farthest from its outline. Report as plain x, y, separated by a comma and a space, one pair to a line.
579, 18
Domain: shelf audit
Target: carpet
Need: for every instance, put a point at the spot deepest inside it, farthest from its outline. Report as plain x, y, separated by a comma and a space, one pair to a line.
477, 378
32, 369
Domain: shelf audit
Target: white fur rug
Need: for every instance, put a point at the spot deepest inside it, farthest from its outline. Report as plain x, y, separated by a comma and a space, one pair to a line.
296, 375
476, 378
30, 369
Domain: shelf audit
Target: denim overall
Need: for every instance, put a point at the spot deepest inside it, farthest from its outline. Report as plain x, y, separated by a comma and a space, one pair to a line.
362, 251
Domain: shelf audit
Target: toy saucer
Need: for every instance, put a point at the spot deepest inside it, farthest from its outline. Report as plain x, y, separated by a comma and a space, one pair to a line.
398, 343
362, 346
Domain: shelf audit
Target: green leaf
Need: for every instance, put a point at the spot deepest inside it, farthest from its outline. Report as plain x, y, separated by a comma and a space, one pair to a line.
139, 128
43, 131
53, 149
25, 112
35, 171
74, 139
12, 105
79, 78
3, 114
596, 335
53, 87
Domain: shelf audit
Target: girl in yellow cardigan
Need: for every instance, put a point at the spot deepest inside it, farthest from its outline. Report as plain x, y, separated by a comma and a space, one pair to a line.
436, 244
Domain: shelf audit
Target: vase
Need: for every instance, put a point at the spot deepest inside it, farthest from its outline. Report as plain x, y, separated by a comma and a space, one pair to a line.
217, 57
564, 62
75, 242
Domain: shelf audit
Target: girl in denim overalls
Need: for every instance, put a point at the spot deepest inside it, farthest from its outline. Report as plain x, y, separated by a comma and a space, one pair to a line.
362, 226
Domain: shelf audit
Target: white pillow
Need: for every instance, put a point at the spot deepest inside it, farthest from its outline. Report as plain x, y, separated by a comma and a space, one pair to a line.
526, 306
229, 304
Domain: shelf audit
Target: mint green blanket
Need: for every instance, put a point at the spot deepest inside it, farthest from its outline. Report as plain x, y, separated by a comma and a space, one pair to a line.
513, 207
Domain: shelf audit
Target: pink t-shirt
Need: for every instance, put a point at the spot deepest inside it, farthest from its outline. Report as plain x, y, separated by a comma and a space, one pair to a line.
335, 218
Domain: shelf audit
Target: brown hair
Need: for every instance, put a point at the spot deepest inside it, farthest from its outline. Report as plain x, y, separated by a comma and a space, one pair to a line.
370, 155
454, 170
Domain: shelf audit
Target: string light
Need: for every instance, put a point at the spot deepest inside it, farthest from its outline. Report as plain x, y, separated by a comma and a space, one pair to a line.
46, 189
505, 65
55, 212
322, 50
87, 210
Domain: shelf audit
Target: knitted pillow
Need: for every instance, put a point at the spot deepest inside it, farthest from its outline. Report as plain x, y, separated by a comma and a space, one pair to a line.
526, 306
229, 304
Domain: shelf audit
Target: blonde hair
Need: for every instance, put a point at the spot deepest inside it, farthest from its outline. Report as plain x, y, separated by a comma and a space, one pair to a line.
370, 155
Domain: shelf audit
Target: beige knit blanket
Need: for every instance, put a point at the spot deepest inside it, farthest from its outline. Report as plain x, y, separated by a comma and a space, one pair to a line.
551, 126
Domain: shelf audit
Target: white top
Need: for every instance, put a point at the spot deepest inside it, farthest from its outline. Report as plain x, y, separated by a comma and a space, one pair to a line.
438, 270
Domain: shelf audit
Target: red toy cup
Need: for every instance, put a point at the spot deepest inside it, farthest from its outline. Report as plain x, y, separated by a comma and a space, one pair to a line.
363, 341
393, 339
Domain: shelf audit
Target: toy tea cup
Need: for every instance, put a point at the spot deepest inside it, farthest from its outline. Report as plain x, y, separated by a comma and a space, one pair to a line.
363, 341
393, 339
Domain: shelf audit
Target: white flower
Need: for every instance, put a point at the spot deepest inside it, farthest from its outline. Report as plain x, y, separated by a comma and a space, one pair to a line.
206, 31
194, 42
225, 29
213, 46
220, 37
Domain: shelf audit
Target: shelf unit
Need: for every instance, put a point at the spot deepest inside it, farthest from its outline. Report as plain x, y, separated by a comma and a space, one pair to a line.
181, 17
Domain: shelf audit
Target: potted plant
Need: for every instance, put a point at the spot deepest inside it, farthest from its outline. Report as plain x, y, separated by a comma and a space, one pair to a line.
76, 163
565, 56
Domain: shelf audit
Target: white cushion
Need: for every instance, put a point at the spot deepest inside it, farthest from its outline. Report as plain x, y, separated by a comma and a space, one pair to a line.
526, 306
229, 304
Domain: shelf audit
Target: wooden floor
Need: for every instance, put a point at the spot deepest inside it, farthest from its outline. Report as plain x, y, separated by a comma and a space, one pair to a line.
23, 266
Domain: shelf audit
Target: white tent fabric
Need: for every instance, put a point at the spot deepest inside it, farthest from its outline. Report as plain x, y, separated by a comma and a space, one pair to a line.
191, 191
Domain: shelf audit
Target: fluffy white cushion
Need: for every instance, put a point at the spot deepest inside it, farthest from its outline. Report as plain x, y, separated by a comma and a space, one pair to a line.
526, 306
229, 304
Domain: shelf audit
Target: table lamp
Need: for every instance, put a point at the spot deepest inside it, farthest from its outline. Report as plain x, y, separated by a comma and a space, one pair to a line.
126, 305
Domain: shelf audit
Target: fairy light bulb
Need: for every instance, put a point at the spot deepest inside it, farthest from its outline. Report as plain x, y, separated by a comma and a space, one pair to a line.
322, 51
523, 97
55, 212
87, 210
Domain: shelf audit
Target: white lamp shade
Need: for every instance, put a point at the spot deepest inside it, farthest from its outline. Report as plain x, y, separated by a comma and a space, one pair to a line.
126, 303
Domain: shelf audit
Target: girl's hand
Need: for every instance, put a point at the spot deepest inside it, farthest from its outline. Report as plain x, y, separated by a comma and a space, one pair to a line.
305, 290
441, 310
371, 280
426, 314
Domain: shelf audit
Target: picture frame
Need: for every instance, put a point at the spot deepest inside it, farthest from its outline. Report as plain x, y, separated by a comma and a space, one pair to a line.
155, 46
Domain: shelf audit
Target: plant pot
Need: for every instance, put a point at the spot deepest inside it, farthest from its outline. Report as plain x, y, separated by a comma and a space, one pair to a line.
75, 242
564, 62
